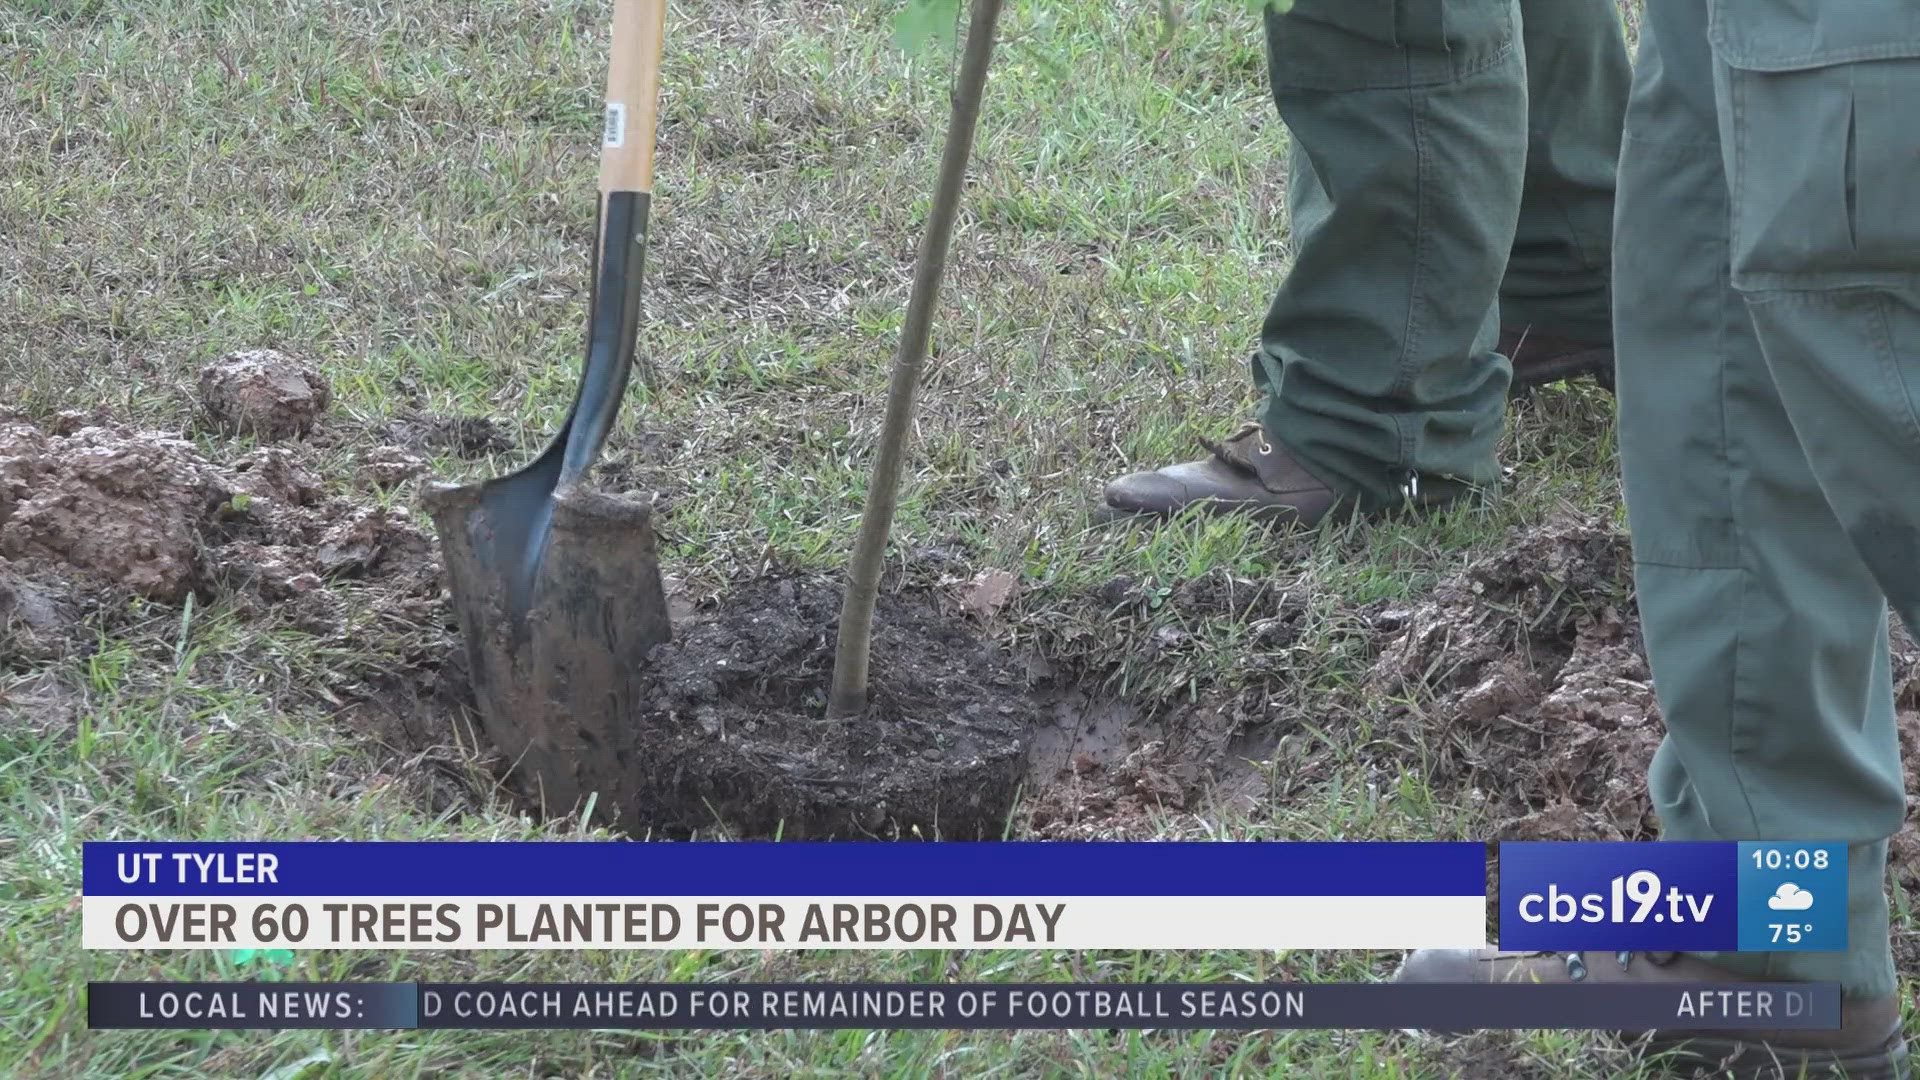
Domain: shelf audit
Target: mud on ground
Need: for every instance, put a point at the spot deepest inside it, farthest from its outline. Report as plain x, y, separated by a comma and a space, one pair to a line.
1518, 682
96, 517
102, 508
737, 734
1522, 678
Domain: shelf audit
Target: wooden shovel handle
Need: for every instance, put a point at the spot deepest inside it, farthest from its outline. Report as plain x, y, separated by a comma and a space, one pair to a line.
633, 95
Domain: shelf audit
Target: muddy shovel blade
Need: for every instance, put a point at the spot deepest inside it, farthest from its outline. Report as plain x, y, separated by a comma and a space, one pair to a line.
555, 684
557, 589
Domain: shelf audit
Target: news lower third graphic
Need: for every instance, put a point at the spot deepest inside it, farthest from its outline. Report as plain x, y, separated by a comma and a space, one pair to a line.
1668, 896
283, 899
1677, 896
765, 1006
1210, 895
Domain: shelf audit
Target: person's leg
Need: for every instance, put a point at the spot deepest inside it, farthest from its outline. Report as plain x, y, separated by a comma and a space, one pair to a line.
1408, 123
1766, 633
1556, 300
1825, 253
1765, 629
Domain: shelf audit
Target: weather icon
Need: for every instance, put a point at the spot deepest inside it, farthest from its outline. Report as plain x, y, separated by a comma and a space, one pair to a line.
1790, 897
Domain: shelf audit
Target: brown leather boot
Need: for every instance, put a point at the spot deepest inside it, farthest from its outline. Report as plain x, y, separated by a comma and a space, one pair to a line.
1539, 359
1247, 473
1868, 1046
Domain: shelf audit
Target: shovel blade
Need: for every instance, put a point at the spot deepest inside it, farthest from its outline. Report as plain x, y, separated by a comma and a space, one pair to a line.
556, 685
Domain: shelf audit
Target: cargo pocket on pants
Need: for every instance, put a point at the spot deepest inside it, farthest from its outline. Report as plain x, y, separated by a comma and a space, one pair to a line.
1338, 45
1822, 145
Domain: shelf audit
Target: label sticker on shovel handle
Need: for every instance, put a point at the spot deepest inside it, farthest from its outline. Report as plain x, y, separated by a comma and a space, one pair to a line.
615, 135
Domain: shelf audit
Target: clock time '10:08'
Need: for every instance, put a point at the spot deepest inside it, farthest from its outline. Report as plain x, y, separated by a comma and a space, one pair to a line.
1793, 859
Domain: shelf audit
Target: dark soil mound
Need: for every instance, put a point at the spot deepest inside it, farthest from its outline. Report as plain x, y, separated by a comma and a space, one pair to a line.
128, 506
733, 733
1525, 680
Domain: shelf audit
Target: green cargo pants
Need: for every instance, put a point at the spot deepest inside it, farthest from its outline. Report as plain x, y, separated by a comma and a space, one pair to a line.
1767, 334
1452, 169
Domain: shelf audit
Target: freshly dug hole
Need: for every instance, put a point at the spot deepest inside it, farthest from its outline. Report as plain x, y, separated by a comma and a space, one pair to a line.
731, 731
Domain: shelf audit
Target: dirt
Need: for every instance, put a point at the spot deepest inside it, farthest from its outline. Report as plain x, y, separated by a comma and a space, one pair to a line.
736, 736
1101, 768
133, 508
389, 466
91, 511
1523, 680
460, 436
263, 392
40, 617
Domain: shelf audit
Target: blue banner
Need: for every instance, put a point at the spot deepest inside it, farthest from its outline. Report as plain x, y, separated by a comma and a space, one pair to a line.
351, 868
1793, 897
1673, 896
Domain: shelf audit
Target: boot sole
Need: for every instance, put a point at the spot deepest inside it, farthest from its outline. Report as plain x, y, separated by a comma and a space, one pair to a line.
1759, 1061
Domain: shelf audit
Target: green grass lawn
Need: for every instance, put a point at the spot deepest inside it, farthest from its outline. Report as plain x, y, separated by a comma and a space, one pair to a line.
404, 193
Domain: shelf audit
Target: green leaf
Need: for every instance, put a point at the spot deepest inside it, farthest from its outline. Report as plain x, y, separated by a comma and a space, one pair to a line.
924, 21
1261, 7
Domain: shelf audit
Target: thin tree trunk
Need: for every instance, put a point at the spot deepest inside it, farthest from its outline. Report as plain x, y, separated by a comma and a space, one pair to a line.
849, 692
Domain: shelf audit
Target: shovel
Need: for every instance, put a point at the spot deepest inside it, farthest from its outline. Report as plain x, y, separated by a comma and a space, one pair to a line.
556, 588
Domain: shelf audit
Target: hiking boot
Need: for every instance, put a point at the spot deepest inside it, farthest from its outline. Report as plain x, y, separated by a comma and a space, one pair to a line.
1247, 473
1869, 1044
1539, 359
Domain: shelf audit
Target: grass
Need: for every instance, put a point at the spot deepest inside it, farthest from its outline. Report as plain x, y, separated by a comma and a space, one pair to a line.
404, 192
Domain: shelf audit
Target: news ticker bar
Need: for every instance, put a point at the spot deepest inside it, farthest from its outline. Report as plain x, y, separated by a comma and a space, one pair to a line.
767, 1006
1667, 896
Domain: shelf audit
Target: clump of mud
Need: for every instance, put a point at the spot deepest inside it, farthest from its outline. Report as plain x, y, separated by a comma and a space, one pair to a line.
41, 616
91, 512
130, 507
1525, 679
390, 466
734, 732
283, 552
263, 392
460, 436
